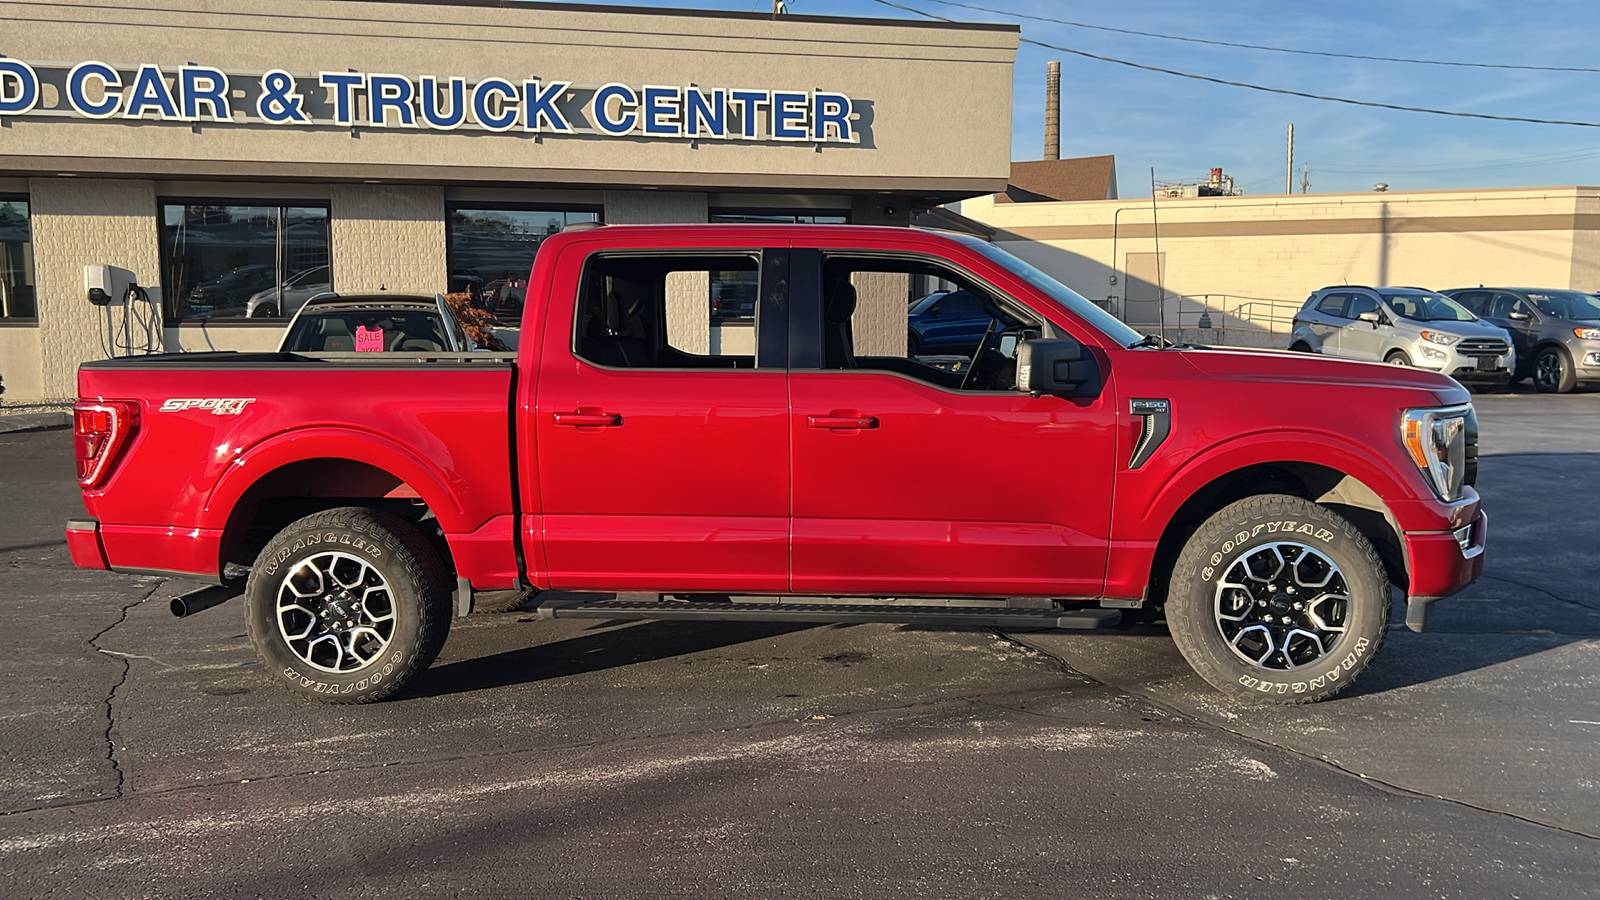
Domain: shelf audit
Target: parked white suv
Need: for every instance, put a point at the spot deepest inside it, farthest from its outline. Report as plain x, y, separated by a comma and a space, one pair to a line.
1404, 326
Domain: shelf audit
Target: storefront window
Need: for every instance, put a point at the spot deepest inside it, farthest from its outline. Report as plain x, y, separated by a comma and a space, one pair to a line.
16, 261
491, 252
733, 294
241, 261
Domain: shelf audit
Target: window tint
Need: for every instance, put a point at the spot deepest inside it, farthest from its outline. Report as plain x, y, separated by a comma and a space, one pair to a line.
1477, 301
368, 330
963, 339
235, 261
661, 312
1332, 305
1566, 304
1361, 303
490, 253
1504, 304
16, 261
734, 293
1427, 306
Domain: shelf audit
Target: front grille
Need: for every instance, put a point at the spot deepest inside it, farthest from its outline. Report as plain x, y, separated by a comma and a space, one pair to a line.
1483, 347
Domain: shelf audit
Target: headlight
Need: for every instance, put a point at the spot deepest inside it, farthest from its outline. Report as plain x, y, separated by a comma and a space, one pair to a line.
1434, 337
1430, 353
1588, 334
1436, 438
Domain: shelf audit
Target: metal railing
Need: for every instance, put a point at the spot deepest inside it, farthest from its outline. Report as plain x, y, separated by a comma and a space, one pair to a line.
1215, 318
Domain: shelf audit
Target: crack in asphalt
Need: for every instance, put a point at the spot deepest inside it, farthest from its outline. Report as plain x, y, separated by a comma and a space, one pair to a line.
122, 678
1379, 783
1545, 591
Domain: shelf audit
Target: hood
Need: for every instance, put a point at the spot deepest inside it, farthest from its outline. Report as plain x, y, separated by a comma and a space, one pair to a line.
1285, 366
1478, 329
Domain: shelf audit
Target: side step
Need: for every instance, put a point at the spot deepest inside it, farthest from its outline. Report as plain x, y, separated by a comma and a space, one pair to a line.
716, 611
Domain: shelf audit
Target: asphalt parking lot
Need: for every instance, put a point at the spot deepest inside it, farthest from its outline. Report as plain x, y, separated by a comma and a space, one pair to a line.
146, 756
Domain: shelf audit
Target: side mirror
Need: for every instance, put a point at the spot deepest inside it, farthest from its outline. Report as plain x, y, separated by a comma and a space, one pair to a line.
1518, 316
1055, 366
1370, 315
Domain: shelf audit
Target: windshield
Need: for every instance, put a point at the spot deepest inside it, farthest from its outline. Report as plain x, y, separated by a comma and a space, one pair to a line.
1074, 302
1566, 304
1426, 306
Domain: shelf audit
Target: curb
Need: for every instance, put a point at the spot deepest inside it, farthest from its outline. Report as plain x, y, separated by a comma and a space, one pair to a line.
35, 421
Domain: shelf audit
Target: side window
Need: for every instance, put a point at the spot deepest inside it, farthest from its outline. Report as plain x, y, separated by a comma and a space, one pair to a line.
666, 312
1332, 305
1361, 303
1476, 301
1504, 304
962, 337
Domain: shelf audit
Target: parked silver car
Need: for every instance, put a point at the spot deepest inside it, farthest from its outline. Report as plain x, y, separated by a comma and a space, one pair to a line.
1404, 326
1556, 332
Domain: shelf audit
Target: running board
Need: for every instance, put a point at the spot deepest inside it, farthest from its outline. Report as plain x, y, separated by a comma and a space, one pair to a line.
718, 611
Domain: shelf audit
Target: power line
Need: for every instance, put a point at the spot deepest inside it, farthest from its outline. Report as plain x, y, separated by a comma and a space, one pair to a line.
1301, 52
1373, 104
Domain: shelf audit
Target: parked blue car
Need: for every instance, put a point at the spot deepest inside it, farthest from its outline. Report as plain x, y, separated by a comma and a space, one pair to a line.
946, 323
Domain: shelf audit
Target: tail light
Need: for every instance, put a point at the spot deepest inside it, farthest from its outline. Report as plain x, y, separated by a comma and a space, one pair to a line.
101, 431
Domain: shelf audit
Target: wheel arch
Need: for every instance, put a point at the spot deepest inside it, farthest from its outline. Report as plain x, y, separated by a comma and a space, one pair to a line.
301, 473
1325, 485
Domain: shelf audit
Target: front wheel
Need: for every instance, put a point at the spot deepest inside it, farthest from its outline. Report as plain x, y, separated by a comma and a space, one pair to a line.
347, 605
1398, 358
1276, 599
1553, 372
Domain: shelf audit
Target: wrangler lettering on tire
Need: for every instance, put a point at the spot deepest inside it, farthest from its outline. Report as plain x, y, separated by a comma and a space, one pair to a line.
348, 604
1275, 599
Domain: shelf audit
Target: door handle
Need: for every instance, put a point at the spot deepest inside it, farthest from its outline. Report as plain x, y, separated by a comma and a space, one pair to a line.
588, 419
842, 423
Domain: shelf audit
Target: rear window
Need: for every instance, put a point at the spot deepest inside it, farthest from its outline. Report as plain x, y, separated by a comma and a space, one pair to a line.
353, 331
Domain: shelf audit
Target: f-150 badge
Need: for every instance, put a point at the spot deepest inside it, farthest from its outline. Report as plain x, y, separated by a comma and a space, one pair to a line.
218, 406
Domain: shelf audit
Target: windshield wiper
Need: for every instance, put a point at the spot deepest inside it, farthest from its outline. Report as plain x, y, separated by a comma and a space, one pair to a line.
1151, 340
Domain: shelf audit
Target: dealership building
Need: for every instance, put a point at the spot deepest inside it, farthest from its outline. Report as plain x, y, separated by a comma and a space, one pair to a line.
238, 157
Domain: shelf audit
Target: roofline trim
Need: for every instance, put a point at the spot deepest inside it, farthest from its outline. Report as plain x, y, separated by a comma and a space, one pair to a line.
1001, 27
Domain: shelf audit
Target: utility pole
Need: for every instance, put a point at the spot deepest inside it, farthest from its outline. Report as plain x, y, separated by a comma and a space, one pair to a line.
779, 7
1288, 168
1305, 179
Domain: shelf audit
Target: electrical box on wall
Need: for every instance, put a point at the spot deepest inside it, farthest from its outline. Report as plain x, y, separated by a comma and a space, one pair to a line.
105, 285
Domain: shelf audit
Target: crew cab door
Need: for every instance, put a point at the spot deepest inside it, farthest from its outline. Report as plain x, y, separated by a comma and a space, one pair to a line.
662, 448
908, 481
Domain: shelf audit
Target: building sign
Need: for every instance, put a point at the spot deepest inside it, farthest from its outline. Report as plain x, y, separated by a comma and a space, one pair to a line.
195, 94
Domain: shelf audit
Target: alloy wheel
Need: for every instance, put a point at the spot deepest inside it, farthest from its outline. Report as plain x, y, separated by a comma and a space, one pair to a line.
335, 612
1282, 606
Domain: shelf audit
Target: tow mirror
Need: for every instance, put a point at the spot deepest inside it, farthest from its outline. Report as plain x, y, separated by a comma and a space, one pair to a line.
1056, 366
1370, 315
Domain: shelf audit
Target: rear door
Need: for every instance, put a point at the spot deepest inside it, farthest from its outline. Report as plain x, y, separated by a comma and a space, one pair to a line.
663, 460
915, 479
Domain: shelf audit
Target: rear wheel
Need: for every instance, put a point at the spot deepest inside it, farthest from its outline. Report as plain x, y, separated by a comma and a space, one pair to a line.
1278, 600
1553, 372
913, 344
265, 311
347, 605
1301, 347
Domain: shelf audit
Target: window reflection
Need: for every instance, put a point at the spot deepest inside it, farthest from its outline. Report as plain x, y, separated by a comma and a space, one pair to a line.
16, 261
491, 253
237, 261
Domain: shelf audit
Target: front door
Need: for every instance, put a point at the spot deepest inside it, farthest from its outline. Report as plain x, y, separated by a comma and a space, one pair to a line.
1360, 339
914, 479
662, 465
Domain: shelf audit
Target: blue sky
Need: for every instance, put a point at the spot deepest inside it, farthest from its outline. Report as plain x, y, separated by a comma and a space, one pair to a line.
1184, 127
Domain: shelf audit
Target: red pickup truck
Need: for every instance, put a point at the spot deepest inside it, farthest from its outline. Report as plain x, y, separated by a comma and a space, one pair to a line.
799, 464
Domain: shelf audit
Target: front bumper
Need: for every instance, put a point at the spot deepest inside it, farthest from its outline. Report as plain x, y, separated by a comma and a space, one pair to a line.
1465, 368
1442, 563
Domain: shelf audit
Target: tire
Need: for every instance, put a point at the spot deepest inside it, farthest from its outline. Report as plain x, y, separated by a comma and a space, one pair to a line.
1301, 347
265, 311
913, 344
394, 628
1219, 607
1398, 358
1553, 372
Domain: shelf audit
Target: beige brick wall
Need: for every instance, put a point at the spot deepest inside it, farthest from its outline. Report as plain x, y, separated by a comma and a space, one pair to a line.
78, 222
388, 236
1250, 261
879, 325
20, 364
